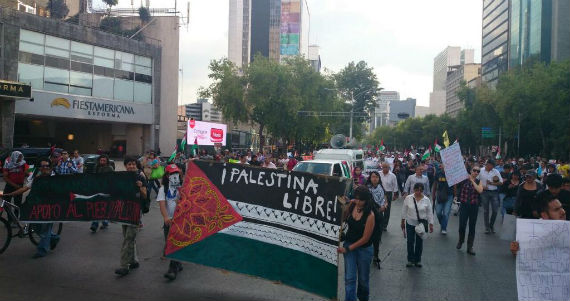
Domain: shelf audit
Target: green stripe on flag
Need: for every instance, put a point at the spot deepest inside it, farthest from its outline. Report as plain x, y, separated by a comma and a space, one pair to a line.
265, 260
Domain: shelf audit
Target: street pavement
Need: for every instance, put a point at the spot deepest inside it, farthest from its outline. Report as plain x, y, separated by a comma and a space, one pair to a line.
82, 268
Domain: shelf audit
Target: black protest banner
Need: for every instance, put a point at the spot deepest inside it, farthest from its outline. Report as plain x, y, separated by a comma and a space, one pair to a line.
296, 192
84, 197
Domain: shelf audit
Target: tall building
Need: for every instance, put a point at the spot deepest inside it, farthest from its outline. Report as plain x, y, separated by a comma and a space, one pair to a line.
495, 40
400, 110
450, 56
202, 110
539, 29
456, 75
382, 109
314, 57
272, 28
422, 111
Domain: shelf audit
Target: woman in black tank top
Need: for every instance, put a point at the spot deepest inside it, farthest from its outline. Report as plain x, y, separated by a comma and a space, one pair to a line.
357, 248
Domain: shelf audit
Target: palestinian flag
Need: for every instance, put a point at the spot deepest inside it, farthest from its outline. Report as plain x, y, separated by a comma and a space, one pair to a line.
194, 149
426, 154
436, 146
382, 147
279, 225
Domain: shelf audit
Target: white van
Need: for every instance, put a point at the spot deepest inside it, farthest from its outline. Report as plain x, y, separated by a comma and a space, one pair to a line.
337, 168
355, 157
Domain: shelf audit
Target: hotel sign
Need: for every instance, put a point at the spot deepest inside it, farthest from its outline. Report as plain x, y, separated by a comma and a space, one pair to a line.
14, 89
85, 107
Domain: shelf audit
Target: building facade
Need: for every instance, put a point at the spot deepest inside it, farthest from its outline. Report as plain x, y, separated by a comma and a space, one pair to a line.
273, 28
495, 40
539, 29
90, 89
202, 110
422, 111
400, 110
457, 75
450, 56
382, 109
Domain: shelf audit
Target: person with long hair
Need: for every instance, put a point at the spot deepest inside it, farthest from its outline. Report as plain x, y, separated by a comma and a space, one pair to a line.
380, 205
357, 247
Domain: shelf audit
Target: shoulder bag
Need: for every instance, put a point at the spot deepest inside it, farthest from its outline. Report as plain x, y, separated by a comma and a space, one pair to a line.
422, 227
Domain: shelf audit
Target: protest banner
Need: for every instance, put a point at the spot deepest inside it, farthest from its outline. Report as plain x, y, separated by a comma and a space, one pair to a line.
543, 260
83, 197
279, 225
455, 171
370, 166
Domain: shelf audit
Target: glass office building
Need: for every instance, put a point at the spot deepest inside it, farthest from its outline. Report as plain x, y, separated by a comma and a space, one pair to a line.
495, 40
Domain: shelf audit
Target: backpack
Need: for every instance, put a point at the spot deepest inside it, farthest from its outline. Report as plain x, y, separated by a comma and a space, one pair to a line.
145, 202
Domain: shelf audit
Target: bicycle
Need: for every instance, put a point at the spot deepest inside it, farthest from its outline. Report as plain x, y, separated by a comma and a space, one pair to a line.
31, 230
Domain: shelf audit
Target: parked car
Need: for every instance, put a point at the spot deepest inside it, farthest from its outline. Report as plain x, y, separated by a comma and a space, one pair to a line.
337, 168
90, 160
31, 154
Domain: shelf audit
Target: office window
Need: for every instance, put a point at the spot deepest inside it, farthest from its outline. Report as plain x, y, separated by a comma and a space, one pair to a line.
56, 79
81, 52
123, 89
143, 93
32, 42
80, 83
57, 47
31, 74
103, 86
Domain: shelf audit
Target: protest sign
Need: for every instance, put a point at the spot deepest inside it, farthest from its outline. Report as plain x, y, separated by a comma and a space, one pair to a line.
279, 225
543, 260
455, 171
83, 197
370, 166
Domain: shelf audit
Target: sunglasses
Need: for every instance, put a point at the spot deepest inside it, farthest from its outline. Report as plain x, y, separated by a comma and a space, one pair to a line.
476, 170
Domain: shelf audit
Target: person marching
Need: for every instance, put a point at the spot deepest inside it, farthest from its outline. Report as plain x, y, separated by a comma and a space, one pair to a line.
416, 207
167, 198
14, 173
128, 249
443, 196
469, 191
380, 206
390, 184
357, 248
48, 240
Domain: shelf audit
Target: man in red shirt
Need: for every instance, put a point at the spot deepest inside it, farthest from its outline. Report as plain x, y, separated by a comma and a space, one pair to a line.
15, 172
291, 163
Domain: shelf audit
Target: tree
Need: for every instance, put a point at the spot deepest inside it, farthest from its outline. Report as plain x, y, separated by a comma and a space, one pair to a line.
358, 81
111, 3
144, 14
58, 9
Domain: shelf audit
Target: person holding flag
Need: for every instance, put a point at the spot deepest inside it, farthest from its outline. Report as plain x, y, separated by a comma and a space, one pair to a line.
382, 147
436, 146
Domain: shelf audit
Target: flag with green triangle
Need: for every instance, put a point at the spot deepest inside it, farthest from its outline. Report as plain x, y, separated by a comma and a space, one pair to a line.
382, 147
427, 153
436, 146
194, 149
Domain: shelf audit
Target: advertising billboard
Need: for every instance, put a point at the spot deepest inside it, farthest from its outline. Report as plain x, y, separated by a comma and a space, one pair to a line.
206, 133
290, 27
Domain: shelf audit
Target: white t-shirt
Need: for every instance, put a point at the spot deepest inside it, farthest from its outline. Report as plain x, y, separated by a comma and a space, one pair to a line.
171, 198
79, 163
485, 176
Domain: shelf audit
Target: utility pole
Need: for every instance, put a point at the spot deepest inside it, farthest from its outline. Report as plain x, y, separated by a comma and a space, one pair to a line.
351, 113
499, 148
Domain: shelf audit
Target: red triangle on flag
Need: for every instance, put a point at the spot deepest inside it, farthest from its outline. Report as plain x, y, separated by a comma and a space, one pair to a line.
201, 212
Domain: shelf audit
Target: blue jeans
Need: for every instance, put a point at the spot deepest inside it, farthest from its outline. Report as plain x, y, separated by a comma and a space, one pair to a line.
508, 205
45, 238
442, 210
357, 264
490, 197
415, 244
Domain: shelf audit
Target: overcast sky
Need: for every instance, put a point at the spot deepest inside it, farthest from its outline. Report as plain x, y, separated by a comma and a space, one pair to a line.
398, 38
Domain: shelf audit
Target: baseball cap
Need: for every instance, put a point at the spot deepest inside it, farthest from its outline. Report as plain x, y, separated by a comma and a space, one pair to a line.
172, 168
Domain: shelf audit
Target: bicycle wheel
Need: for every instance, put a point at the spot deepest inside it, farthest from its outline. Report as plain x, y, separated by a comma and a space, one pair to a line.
34, 229
5, 234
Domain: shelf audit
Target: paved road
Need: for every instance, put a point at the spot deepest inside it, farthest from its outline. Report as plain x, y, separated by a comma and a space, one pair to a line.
82, 268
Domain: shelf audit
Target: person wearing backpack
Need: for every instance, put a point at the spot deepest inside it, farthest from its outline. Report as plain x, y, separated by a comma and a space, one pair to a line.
416, 211
380, 205
357, 246
443, 196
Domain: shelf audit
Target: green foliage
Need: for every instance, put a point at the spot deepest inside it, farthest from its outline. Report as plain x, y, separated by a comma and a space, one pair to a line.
538, 93
271, 95
144, 14
359, 81
111, 3
111, 24
57, 9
